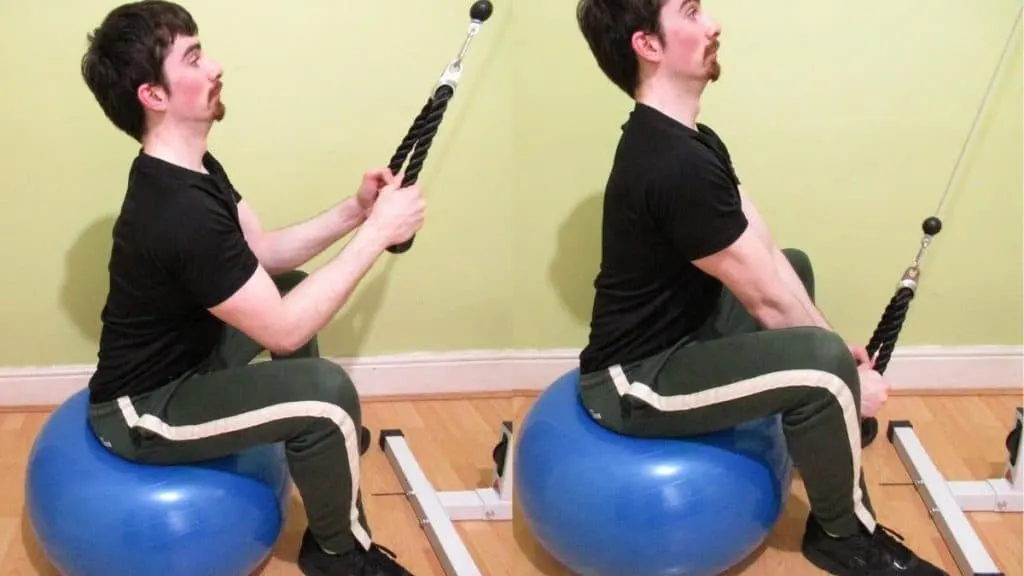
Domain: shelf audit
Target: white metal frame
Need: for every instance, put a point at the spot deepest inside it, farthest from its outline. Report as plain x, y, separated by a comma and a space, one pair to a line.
947, 501
437, 511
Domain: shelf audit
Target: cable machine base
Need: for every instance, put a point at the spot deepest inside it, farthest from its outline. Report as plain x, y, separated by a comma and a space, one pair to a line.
947, 501
437, 511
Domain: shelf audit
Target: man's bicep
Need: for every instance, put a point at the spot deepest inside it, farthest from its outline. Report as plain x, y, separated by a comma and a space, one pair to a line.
252, 229
700, 211
257, 310
209, 255
746, 267
218, 269
757, 222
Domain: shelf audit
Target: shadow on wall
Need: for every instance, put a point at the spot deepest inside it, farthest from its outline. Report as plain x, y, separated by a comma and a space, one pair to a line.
345, 335
85, 286
84, 290
578, 257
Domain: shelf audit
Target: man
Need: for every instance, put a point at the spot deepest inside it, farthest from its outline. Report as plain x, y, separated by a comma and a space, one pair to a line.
198, 289
699, 321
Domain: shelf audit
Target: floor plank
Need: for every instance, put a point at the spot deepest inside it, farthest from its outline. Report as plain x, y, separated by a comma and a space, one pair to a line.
453, 440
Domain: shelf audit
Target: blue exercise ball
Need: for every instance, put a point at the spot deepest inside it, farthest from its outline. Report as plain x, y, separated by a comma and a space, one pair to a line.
96, 514
605, 504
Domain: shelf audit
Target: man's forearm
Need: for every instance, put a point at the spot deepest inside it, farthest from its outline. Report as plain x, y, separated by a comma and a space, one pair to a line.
288, 248
314, 301
796, 286
779, 310
785, 270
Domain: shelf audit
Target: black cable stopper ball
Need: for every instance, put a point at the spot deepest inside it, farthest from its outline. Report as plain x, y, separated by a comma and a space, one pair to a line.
481, 10
931, 226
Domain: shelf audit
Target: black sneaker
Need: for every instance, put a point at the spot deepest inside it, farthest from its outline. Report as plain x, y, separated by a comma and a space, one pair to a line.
364, 440
878, 554
377, 561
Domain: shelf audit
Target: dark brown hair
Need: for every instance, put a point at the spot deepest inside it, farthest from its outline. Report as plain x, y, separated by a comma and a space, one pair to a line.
607, 27
128, 50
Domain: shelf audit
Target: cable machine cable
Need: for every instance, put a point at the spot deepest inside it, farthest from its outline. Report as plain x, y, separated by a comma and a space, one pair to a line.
883, 340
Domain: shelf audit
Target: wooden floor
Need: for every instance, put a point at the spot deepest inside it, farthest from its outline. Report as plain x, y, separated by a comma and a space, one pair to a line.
453, 440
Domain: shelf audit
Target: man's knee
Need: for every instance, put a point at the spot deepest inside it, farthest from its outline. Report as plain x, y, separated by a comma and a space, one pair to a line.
322, 381
801, 263
286, 281
333, 384
832, 354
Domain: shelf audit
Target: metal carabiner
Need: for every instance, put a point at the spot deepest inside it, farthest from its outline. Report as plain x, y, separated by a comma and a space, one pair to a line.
479, 12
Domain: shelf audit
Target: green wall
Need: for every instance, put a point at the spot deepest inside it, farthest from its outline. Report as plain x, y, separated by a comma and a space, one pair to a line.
844, 120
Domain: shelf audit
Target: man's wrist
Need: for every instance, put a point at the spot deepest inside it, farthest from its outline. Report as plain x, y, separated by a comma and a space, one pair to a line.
372, 238
349, 210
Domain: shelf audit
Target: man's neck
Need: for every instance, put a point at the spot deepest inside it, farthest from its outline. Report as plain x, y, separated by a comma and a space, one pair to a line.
678, 101
180, 145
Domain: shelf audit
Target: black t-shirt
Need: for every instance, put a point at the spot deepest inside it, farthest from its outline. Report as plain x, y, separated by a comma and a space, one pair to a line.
178, 249
672, 197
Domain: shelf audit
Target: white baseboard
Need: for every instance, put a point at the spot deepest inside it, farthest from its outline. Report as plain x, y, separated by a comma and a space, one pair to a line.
954, 368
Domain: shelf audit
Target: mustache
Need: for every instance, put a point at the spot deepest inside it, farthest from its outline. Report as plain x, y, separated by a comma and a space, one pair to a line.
713, 47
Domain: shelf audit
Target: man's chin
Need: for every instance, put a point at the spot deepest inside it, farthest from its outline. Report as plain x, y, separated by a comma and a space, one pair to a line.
714, 70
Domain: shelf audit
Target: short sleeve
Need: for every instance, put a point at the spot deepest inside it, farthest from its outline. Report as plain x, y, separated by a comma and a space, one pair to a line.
206, 250
712, 139
697, 206
217, 170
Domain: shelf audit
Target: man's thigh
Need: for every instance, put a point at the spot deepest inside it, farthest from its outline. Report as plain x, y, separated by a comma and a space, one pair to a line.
731, 318
236, 348
711, 385
222, 412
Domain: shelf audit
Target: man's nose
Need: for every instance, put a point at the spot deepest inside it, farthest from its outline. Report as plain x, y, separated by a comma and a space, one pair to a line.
714, 28
216, 70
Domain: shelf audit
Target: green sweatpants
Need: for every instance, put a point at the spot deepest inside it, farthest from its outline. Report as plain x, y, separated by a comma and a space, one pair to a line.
230, 404
731, 371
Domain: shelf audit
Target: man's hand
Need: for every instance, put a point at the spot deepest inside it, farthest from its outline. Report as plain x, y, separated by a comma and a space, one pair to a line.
369, 188
398, 215
860, 355
874, 391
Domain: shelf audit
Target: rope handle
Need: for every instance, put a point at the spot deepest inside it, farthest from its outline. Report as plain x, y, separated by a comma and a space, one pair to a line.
883, 341
416, 143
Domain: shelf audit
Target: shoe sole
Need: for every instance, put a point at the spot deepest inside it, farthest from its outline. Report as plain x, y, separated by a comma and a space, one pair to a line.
824, 562
308, 570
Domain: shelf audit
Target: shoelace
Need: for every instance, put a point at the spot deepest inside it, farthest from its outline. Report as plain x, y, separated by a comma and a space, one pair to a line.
885, 542
376, 558
888, 535
384, 550
381, 557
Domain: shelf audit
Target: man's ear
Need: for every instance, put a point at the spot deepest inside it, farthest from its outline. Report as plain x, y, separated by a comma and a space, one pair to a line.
646, 46
153, 97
